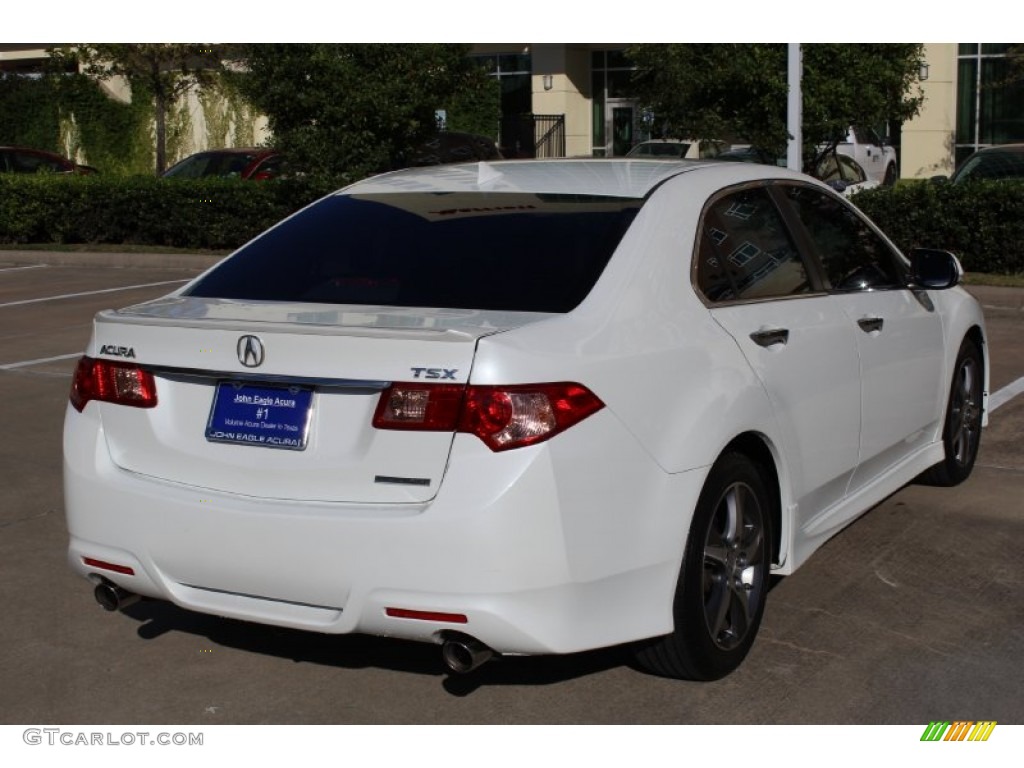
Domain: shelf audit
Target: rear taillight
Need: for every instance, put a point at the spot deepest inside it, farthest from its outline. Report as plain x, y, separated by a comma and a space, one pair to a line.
511, 417
503, 417
429, 407
110, 382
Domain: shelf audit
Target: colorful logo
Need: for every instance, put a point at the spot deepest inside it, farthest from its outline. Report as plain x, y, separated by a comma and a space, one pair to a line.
959, 730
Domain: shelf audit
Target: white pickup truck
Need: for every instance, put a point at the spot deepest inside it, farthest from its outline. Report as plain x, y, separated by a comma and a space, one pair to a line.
875, 155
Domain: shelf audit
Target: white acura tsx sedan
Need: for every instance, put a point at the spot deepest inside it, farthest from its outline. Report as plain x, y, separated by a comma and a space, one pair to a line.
529, 407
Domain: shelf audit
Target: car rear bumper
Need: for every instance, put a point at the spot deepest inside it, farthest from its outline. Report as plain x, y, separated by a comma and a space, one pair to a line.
535, 560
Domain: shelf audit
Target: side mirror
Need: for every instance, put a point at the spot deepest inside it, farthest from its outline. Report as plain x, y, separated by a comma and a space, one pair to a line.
839, 185
934, 269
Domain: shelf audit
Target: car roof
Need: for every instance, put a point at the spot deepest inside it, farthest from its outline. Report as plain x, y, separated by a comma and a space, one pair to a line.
632, 178
235, 151
1013, 148
33, 150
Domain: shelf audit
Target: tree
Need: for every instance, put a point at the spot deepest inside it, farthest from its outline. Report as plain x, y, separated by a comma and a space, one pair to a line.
163, 71
738, 91
351, 110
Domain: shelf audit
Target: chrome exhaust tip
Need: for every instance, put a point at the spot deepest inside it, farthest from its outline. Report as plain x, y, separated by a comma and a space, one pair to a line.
112, 598
462, 653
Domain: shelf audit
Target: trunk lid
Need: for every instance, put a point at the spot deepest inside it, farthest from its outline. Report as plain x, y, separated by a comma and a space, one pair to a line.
284, 368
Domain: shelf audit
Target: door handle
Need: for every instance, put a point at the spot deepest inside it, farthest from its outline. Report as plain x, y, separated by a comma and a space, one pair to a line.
871, 324
769, 337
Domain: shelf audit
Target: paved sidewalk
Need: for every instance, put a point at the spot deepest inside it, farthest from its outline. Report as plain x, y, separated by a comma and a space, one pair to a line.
88, 258
991, 297
998, 297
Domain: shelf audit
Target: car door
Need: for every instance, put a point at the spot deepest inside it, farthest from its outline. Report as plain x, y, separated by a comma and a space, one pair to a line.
869, 152
898, 333
797, 339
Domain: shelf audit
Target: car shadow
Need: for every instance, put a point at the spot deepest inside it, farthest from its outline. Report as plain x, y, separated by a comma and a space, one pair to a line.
158, 618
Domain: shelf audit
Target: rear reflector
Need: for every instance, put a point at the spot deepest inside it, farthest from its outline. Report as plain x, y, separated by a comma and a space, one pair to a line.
504, 417
112, 382
405, 613
93, 563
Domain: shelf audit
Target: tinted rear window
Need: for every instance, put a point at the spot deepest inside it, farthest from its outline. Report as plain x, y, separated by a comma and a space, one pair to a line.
500, 251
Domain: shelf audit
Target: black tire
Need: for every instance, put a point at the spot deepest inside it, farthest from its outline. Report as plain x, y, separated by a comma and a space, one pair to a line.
961, 429
723, 581
890, 175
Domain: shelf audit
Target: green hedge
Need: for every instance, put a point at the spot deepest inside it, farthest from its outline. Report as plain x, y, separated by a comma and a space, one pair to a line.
72, 115
982, 222
208, 214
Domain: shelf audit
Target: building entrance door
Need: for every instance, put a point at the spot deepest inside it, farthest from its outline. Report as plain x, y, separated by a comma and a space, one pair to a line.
620, 127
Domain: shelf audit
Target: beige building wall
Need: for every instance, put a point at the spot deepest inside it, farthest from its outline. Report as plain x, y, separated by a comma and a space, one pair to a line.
13, 56
927, 140
926, 144
568, 67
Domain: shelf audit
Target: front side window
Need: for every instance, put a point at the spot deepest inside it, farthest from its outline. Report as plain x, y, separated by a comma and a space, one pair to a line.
866, 135
745, 251
468, 250
204, 164
853, 256
27, 162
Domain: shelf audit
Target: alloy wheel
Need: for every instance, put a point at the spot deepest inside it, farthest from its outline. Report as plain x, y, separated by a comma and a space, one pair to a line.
734, 551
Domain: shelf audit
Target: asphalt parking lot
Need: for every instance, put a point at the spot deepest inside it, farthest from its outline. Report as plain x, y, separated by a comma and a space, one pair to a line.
914, 613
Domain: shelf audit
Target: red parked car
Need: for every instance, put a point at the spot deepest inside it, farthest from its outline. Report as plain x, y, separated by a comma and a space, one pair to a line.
254, 163
261, 163
26, 160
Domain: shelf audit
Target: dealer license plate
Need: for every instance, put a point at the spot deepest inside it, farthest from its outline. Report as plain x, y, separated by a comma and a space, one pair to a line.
269, 417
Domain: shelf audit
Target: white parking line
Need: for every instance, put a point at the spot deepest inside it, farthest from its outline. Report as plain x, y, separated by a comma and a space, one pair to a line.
38, 361
90, 293
15, 269
1005, 395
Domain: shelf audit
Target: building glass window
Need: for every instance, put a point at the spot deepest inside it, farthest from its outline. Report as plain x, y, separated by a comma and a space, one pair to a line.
990, 96
513, 71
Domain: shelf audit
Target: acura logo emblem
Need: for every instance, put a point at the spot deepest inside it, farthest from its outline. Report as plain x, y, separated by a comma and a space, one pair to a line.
250, 351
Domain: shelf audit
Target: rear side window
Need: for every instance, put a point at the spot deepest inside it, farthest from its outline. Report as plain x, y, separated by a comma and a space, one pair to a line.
746, 252
496, 251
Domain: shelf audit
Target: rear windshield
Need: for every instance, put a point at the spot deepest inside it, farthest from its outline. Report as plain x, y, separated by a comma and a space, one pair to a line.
498, 251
